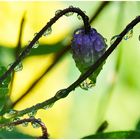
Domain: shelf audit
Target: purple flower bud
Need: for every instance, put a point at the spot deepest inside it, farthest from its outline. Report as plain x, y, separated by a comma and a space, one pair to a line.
87, 49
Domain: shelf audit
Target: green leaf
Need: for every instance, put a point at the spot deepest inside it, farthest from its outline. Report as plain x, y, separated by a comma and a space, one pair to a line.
13, 135
115, 135
46, 49
138, 126
6, 82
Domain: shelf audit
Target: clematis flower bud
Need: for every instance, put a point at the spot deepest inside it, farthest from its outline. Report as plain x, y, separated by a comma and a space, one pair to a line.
87, 49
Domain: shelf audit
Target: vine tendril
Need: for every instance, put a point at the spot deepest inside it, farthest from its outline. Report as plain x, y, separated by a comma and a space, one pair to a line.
42, 31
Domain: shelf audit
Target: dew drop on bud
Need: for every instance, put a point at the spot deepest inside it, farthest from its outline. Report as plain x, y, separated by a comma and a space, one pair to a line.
86, 84
32, 113
48, 31
128, 35
36, 44
79, 17
25, 124
105, 40
19, 67
57, 12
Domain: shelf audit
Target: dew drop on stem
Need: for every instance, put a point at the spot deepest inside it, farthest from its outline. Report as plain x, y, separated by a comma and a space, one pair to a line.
128, 35
48, 106
25, 124
16, 119
57, 12
10, 114
79, 17
9, 128
48, 31
69, 14
32, 113
36, 45
113, 39
35, 124
19, 67
35, 34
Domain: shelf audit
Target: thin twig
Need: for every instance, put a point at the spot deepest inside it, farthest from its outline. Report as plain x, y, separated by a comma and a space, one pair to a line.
42, 31
65, 92
99, 10
102, 127
17, 49
32, 120
60, 54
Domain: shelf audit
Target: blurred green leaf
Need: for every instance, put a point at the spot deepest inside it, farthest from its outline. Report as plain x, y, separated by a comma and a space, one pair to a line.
13, 135
42, 49
138, 126
115, 135
46, 48
4, 88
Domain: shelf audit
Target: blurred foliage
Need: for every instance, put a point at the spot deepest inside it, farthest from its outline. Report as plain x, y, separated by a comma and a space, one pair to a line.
116, 135
13, 135
116, 96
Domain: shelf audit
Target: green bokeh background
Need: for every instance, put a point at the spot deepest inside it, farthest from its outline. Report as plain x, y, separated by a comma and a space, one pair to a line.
116, 96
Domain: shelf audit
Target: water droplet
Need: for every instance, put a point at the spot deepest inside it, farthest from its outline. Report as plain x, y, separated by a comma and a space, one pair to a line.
70, 6
19, 67
36, 44
113, 39
9, 65
79, 17
9, 128
48, 106
35, 34
25, 124
128, 35
10, 114
86, 84
57, 12
33, 113
105, 40
48, 31
35, 124
29, 42
28, 51
16, 119
61, 94
69, 14
6, 81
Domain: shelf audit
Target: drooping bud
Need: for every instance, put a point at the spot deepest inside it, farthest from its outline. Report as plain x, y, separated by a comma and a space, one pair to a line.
87, 49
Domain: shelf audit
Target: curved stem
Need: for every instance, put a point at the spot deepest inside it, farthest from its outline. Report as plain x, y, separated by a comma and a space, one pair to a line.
31, 119
60, 54
42, 31
64, 92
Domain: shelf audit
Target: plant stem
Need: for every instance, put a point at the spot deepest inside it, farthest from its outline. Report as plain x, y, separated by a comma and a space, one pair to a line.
64, 92
31, 119
41, 32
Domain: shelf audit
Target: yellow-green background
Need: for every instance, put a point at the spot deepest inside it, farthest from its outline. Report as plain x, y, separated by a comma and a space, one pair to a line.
82, 111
